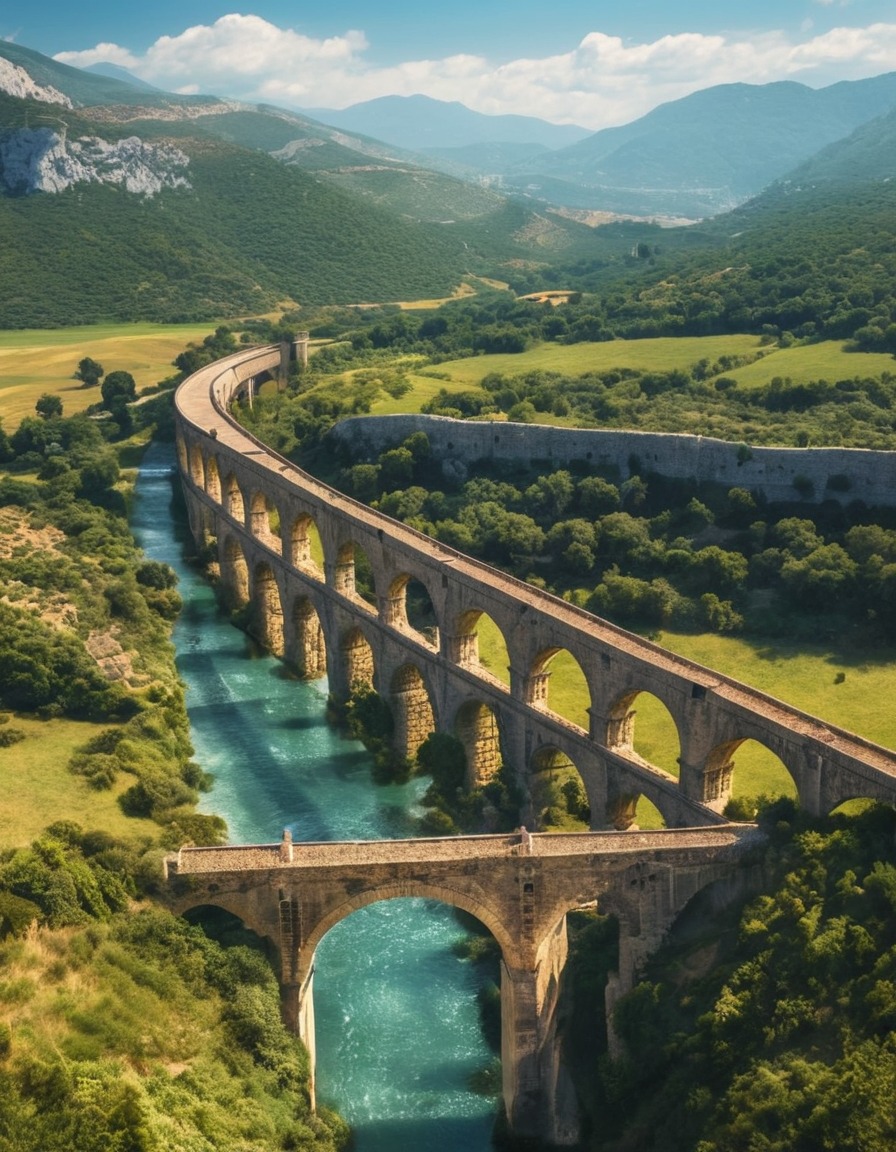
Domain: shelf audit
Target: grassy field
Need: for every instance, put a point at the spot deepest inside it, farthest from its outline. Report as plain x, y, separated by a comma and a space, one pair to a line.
38, 788
43, 360
826, 360
852, 690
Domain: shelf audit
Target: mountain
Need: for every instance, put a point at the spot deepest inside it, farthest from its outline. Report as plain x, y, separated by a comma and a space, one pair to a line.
868, 155
152, 206
421, 124
705, 153
89, 89
116, 72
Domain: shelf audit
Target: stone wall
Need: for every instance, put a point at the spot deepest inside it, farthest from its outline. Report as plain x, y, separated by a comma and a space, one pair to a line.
842, 474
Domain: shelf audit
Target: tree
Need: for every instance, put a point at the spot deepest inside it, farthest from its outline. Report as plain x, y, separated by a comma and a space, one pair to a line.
89, 372
118, 385
48, 406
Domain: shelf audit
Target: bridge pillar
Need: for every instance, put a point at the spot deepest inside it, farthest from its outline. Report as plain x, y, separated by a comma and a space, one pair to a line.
304, 1026
539, 1099
709, 785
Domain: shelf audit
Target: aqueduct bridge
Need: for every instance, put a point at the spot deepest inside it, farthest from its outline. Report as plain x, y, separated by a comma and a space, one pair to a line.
259, 511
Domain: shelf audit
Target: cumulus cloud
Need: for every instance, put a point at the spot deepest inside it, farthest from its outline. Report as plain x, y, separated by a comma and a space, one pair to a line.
600, 82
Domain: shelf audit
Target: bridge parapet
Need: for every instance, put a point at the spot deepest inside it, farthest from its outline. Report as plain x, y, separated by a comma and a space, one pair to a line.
520, 886
224, 469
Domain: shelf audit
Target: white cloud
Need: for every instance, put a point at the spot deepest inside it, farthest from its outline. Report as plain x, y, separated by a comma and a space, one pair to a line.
602, 81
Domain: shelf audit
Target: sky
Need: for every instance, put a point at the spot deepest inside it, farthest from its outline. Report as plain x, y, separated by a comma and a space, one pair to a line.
596, 63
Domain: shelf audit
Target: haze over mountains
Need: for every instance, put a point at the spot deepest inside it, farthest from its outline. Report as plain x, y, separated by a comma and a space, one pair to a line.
693, 157
120, 200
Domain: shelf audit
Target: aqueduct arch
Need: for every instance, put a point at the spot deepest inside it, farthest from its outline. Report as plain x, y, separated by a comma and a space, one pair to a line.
264, 521
304, 541
466, 648
353, 576
309, 649
212, 478
476, 726
233, 499
268, 610
410, 609
579, 695
411, 709
234, 573
557, 781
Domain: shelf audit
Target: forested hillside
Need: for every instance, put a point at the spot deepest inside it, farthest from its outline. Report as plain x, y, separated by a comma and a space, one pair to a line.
121, 1025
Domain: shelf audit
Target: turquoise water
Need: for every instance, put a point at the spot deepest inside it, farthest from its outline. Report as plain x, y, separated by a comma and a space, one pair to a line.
398, 1031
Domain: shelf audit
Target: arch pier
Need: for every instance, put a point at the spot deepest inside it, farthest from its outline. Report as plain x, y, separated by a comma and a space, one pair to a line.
519, 886
346, 611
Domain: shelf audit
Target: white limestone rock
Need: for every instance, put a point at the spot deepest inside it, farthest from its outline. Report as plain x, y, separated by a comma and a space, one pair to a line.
46, 160
15, 81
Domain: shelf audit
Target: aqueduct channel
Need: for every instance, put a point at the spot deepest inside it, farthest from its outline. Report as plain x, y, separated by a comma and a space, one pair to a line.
258, 510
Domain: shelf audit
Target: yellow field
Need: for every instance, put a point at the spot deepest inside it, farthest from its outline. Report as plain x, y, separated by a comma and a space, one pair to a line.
38, 789
36, 361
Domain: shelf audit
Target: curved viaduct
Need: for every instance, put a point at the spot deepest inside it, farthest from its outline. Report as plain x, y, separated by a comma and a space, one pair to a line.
257, 510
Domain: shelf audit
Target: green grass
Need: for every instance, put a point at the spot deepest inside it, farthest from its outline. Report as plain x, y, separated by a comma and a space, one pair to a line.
423, 389
35, 361
659, 355
826, 360
803, 676
38, 788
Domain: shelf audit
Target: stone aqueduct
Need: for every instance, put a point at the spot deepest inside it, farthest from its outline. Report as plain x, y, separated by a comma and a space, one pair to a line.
258, 509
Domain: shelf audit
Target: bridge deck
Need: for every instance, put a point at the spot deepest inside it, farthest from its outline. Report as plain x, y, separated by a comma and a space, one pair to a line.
203, 400
337, 854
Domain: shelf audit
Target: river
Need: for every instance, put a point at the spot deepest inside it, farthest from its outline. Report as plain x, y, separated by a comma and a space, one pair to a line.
398, 1032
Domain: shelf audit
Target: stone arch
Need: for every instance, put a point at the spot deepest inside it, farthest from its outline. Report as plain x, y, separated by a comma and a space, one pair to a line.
212, 479
182, 458
197, 466
411, 709
487, 916
233, 499
648, 816
655, 738
305, 548
234, 904
310, 647
234, 574
410, 609
476, 726
479, 643
759, 771
572, 693
560, 797
353, 576
267, 610
358, 659
264, 520
633, 810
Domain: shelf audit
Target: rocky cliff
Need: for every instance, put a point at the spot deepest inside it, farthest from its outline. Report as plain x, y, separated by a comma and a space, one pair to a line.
15, 81
46, 160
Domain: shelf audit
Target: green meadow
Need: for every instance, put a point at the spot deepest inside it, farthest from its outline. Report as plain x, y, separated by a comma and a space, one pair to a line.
34, 361
852, 690
38, 789
826, 360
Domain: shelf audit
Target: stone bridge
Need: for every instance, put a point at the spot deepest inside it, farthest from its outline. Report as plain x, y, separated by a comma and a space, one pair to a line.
261, 512
519, 886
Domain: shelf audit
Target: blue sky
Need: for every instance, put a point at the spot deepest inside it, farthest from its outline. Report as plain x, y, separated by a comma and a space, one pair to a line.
595, 63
